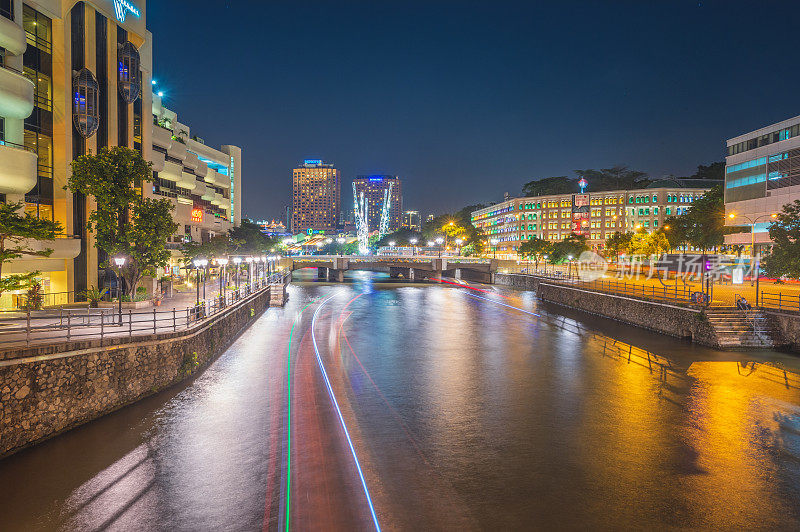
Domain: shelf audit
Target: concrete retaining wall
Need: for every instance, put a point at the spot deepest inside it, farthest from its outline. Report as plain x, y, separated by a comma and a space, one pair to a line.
525, 282
667, 319
49, 389
789, 327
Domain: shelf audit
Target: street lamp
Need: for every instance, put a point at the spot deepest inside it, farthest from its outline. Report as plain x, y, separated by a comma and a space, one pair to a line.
237, 261
200, 263
439, 243
249, 261
341, 240
223, 263
459, 241
494, 242
569, 266
120, 262
753, 244
545, 264
413, 243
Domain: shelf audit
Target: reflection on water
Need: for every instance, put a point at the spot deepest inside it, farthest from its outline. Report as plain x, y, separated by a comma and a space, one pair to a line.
469, 410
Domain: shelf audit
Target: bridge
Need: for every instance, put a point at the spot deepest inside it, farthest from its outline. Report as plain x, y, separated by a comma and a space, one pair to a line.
410, 267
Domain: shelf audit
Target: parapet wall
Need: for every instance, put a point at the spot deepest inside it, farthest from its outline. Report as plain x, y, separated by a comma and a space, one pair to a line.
46, 390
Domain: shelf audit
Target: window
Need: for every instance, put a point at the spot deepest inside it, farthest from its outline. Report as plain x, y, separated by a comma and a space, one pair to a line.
37, 29
42, 88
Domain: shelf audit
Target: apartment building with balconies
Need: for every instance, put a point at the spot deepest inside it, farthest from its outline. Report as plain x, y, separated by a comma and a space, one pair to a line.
204, 183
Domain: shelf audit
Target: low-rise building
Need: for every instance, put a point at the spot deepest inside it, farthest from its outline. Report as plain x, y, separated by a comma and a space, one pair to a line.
595, 215
762, 174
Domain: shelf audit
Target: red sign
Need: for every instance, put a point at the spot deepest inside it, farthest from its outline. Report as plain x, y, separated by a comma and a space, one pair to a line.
197, 215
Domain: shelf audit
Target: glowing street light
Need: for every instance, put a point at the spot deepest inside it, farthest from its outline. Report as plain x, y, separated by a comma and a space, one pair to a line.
222, 262
120, 262
237, 261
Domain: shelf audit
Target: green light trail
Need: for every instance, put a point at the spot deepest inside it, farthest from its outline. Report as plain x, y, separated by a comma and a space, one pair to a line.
289, 418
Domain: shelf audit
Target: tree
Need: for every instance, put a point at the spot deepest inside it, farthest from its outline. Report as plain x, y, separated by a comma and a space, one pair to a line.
247, 239
705, 220
535, 247
573, 245
550, 185
618, 244
785, 235
644, 243
615, 178
124, 222
712, 171
15, 229
676, 229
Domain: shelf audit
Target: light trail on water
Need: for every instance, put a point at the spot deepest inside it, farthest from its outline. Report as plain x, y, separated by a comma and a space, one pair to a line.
339, 414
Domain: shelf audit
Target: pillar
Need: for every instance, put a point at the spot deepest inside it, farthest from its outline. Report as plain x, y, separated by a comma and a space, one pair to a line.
322, 273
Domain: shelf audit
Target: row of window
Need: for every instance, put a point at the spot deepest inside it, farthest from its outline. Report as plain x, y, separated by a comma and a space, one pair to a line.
763, 140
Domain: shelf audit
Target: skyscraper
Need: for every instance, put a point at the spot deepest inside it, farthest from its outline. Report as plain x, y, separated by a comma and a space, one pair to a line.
316, 189
412, 220
374, 188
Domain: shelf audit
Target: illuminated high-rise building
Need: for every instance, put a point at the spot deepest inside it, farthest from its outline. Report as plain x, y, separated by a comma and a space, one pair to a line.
412, 220
374, 188
316, 193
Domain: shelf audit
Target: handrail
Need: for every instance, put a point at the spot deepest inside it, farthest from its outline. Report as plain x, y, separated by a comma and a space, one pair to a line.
17, 146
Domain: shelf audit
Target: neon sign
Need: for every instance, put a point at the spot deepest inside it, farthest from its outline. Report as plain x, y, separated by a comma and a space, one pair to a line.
197, 215
123, 7
312, 161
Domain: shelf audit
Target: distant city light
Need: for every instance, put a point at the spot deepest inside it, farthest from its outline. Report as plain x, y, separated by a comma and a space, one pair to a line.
153, 81
160, 94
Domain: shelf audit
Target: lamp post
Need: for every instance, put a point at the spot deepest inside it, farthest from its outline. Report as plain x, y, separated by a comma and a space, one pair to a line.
341, 240
197, 263
413, 243
459, 241
237, 261
494, 247
263, 267
391, 245
545, 264
249, 261
753, 256
120, 262
439, 243
201, 263
569, 266
223, 263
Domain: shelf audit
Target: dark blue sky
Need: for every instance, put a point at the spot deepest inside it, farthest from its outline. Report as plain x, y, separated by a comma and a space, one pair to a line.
466, 100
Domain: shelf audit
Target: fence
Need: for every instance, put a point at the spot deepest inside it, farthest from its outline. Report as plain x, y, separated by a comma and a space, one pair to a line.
68, 324
779, 301
676, 293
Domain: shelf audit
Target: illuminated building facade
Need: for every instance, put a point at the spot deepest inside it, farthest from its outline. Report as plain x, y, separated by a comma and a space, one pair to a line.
316, 193
74, 77
596, 215
375, 188
203, 183
412, 220
762, 174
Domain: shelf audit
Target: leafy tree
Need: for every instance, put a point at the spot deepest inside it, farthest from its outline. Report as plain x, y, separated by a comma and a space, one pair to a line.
705, 220
618, 244
614, 178
124, 222
644, 243
572, 245
247, 239
676, 228
550, 185
401, 237
536, 248
15, 229
785, 235
712, 171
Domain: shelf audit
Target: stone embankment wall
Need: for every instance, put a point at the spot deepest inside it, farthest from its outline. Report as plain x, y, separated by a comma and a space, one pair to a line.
673, 320
667, 319
49, 389
789, 327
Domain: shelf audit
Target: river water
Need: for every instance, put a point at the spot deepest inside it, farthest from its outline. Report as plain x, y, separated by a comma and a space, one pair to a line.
419, 407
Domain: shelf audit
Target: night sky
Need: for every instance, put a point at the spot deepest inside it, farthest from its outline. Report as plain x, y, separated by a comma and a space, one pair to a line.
467, 100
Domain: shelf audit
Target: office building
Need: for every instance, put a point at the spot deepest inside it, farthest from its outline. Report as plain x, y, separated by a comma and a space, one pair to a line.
595, 215
204, 183
762, 174
412, 220
316, 193
377, 188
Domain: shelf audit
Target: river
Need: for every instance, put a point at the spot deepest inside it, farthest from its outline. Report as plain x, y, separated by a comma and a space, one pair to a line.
420, 407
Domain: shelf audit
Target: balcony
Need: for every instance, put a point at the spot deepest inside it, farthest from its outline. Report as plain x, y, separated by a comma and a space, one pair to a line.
162, 136
12, 36
16, 94
17, 168
186, 180
63, 248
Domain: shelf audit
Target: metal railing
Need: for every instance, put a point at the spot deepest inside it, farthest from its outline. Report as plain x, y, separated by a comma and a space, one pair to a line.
779, 301
69, 324
676, 293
